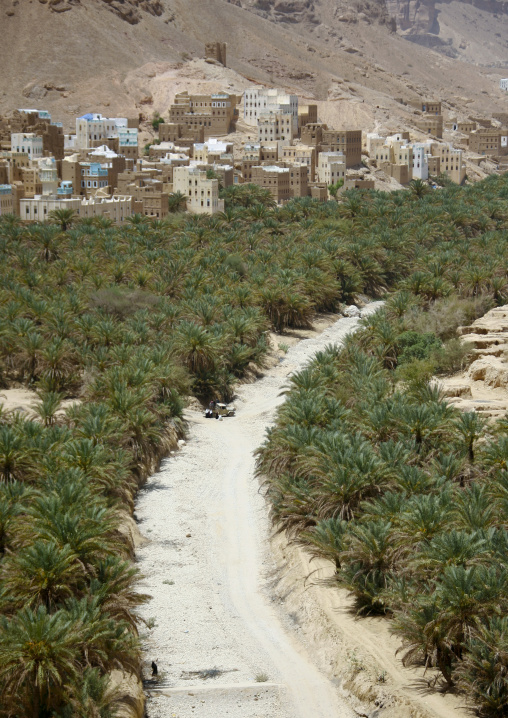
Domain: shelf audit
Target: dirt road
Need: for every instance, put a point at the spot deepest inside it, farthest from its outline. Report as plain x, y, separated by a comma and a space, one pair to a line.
222, 644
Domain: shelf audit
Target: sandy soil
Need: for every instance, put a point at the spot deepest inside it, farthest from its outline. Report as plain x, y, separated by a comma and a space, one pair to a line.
209, 569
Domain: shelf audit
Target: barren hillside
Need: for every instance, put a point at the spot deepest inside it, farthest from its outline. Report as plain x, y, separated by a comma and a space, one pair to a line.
130, 56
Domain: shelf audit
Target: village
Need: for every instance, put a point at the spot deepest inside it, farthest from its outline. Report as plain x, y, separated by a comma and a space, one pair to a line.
210, 142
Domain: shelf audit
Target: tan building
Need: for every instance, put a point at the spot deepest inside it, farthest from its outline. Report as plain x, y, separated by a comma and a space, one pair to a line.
300, 155
331, 167
215, 113
402, 173
307, 115
275, 127
430, 125
6, 199
349, 142
181, 135
298, 180
489, 141
275, 179
212, 150
202, 193
431, 107
450, 162
31, 182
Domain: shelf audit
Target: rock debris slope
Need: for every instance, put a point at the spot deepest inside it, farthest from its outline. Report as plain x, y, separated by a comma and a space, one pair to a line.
208, 568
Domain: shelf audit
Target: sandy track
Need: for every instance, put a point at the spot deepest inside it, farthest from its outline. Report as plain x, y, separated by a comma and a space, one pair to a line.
207, 567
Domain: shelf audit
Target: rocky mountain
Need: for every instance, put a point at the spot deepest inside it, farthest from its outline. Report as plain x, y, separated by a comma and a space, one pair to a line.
353, 57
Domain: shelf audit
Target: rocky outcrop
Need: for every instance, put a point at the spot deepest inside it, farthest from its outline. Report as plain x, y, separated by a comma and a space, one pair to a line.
128, 10
484, 386
413, 17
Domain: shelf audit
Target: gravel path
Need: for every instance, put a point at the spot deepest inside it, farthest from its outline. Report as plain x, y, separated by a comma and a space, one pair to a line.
207, 567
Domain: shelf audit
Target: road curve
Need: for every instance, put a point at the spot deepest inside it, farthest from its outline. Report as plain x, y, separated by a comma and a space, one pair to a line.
207, 567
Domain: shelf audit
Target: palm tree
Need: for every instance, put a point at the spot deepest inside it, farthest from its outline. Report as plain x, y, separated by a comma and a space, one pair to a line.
39, 661
42, 574
63, 217
177, 202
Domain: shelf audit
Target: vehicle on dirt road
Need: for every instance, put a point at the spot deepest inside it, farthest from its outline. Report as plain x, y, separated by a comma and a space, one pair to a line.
220, 409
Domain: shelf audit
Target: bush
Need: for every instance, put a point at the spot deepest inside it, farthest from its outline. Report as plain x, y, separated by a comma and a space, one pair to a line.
446, 315
413, 345
452, 357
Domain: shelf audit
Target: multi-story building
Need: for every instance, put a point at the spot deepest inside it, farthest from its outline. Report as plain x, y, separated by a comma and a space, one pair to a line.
307, 114
181, 135
211, 150
420, 162
331, 167
300, 155
93, 126
261, 100
215, 113
275, 179
450, 161
27, 143
6, 199
430, 125
349, 142
48, 175
275, 127
128, 142
38, 208
202, 193
489, 141
431, 107
503, 84
298, 180
32, 184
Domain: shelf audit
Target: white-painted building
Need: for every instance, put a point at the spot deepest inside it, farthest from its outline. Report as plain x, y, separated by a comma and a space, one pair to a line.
503, 84
48, 175
259, 100
93, 126
28, 143
37, 209
202, 193
331, 167
420, 162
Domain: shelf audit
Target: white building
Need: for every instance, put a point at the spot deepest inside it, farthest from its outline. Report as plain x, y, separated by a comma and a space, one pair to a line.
93, 126
259, 100
331, 167
37, 209
503, 84
420, 162
28, 143
202, 193
48, 175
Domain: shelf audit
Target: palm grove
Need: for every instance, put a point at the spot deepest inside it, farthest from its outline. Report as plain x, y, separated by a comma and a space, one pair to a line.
128, 322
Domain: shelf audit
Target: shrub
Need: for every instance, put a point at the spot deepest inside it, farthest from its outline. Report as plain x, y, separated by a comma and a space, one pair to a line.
413, 345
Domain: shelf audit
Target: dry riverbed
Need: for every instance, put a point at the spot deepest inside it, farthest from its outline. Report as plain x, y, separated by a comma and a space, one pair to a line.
232, 626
